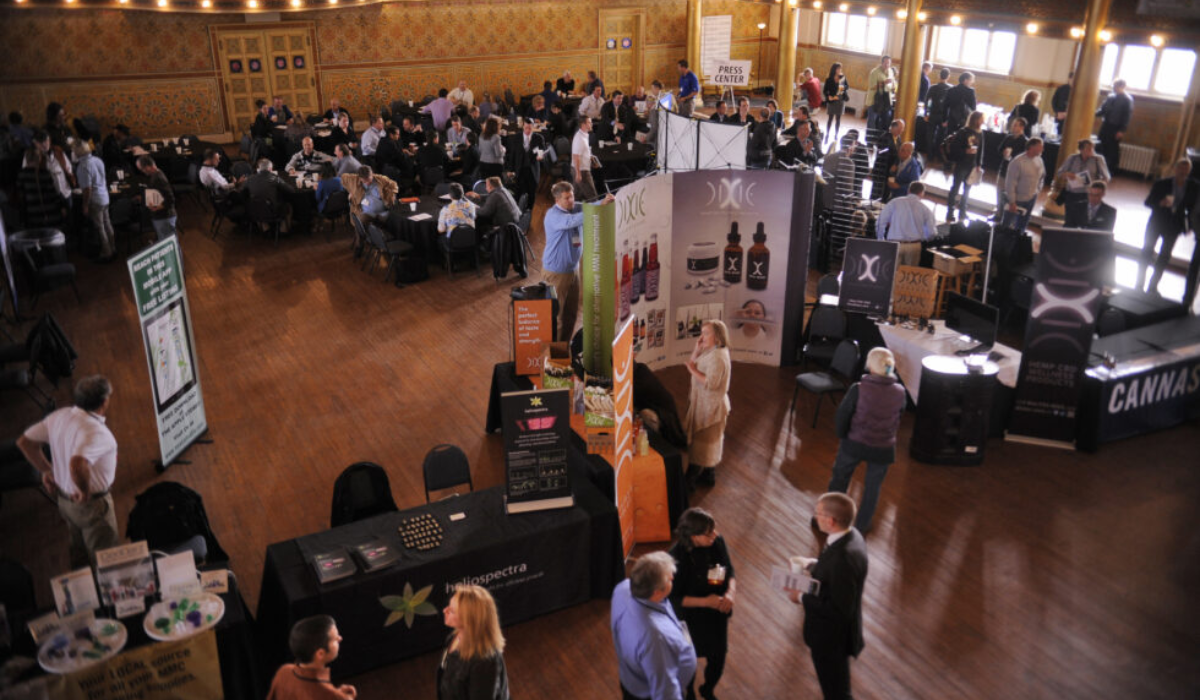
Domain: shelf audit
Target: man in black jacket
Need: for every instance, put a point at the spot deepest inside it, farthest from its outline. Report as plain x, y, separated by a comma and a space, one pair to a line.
1091, 213
833, 616
392, 160
523, 160
1060, 101
762, 141
935, 110
1171, 201
1116, 111
959, 103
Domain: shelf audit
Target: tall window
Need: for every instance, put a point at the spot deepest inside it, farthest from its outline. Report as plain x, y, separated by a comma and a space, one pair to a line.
975, 48
1147, 69
856, 32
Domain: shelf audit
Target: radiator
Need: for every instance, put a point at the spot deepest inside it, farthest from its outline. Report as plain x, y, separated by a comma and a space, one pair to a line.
856, 101
1139, 159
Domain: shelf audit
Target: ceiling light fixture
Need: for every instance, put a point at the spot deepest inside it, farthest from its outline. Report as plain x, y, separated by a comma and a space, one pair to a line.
1032, 28
955, 20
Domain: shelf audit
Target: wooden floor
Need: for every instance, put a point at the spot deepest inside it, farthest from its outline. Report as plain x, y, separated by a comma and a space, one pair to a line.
1041, 574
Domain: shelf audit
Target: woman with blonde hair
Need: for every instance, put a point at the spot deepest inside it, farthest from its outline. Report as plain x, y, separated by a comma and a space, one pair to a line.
472, 666
708, 402
867, 421
1028, 109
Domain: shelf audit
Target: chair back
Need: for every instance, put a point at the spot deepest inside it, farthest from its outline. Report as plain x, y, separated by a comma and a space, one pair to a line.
193, 174
375, 237
441, 189
120, 212
261, 210
827, 322
480, 187
523, 202
829, 285
845, 358
462, 238
337, 205
432, 177
361, 491
446, 466
360, 231
168, 514
525, 220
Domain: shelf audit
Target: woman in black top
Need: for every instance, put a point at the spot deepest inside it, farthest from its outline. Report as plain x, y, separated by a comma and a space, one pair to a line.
263, 127
966, 154
703, 592
835, 91
343, 132
472, 666
41, 201
1028, 109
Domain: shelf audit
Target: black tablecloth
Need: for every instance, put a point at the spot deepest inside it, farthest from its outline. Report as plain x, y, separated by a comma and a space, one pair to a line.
533, 564
621, 155
599, 471
421, 234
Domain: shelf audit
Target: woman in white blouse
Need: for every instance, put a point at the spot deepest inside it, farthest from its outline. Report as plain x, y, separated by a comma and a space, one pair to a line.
708, 402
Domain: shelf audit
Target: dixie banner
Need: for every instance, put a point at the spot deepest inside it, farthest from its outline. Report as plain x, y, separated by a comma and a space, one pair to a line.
868, 275
1071, 269
165, 318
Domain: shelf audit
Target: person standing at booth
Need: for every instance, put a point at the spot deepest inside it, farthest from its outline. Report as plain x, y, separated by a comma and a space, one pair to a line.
703, 592
1171, 201
867, 421
472, 666
315, 643
564, 247
655, 657
708, 402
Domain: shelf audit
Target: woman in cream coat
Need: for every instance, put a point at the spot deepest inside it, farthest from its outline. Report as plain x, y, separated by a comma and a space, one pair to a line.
708, 402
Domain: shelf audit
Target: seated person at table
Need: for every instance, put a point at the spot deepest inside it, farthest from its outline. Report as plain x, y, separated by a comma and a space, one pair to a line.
592, 83
298, 128
762, 141
468, 159
431, 155
548, 93
344, 160
908, 221
1081, 169
498, 209
307, 159
21, 133
593, 103
616, 119
457, 133
262, 127
1092, 212
776, 116
905, 170
392, 160
411, 133
371, 137
801, 149
556, 123
742, 116
487, 107
279, 112
330, 183
112, 150
462, 94
371, 195
537, 109
565, 84
335, 111
459, 212
801, 115
265, 184
470, 119
315, 643
343, 132
720, 113
211, 177
440, 109
638, 99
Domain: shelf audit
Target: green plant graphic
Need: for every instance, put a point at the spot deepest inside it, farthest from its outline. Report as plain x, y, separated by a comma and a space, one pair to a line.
408, 606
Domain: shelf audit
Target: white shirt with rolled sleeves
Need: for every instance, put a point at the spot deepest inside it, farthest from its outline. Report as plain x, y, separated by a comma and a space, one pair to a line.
73, 432
1024, 179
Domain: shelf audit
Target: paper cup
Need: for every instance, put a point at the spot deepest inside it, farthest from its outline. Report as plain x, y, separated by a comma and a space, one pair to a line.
796, 564
630, 145
412, 206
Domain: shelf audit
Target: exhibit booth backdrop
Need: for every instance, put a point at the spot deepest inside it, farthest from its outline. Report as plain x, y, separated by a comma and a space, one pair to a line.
716, 244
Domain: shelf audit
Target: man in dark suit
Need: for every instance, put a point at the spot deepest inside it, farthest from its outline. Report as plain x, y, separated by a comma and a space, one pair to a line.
833, 617
1116, 112
265, 184
1171, 201
1091, 213
392, 160
523, 160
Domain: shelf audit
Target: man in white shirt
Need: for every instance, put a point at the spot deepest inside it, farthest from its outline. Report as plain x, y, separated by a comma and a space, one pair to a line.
462, 95
1026, 173
84, 454
212, 178
907, 221
591, 105
581, 160
370, 137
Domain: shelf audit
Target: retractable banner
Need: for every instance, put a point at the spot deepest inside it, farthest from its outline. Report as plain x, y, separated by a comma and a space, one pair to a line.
536, 440
1071, 268
868, 275
166, 322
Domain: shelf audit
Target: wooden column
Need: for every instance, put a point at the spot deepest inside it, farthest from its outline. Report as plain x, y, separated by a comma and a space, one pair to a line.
910, 71
1085, 87
1186, 117
694, 24
785, 66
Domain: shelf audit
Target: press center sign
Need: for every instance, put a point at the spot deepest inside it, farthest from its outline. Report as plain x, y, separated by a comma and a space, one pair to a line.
730, 73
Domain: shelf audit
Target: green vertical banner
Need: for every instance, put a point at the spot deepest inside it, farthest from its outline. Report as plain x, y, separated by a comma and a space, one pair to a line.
166, 322
599, 278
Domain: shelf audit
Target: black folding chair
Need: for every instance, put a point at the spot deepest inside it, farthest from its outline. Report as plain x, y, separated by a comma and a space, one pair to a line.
262, 213
361, 491
836, 379
826, 328
380, 247
337, 208
460, 240
171, 517
445, 467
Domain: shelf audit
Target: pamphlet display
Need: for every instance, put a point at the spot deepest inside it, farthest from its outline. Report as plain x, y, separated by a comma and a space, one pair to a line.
126, 577
74, 592
165, 318
177, 575
536, 433
868, 276
333, 565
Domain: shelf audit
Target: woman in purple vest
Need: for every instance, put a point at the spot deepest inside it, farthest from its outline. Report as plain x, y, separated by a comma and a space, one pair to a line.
867, 420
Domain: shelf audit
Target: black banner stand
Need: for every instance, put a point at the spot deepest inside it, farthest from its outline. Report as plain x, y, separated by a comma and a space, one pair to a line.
159, 467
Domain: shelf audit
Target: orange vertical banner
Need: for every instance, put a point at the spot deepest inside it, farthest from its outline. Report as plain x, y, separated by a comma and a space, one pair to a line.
622, 389
532, 324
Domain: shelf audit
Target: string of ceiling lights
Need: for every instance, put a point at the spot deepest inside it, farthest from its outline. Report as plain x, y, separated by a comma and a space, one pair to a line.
1055, 30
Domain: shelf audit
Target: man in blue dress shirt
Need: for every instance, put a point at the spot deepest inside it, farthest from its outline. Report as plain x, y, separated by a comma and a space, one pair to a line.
689, 85
655, 656
564, 247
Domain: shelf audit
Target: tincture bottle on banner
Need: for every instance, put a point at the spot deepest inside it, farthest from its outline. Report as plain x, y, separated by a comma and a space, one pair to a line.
758, 261
734, 256
652, 270
626, 282
639, 273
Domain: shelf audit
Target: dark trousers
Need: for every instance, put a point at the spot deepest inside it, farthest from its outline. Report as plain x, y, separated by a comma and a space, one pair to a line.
1163, 259
1110, 148
626, 695
959, 179
527, 184
714, 668
833, 673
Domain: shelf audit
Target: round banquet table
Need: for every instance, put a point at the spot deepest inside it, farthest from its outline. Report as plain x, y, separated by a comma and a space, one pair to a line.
423, 233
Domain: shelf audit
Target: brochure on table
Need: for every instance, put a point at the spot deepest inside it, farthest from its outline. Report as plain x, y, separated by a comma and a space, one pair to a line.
126, 577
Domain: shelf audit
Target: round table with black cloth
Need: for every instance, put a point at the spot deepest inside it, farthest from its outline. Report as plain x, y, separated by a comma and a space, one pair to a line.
709, 627
619, 163
423, 234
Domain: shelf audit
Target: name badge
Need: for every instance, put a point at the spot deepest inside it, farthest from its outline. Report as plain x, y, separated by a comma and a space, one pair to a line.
716, 575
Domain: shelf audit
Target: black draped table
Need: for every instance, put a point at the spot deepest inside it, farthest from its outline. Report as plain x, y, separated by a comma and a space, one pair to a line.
599, 472
421, 232
533, 564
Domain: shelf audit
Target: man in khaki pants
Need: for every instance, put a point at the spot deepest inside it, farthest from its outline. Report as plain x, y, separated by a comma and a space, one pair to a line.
564, 247
83, 455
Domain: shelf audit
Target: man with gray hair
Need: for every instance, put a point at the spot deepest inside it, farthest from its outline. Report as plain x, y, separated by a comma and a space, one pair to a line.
90, 173
84, 461
655, 656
